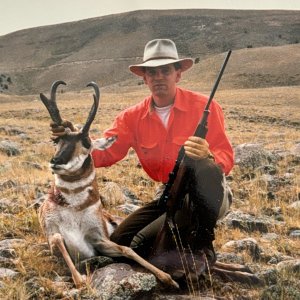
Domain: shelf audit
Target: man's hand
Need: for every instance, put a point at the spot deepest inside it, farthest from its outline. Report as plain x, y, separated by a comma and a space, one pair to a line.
197, 148
60, 130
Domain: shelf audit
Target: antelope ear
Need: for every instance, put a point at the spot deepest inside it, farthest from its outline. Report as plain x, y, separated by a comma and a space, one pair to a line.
104, 143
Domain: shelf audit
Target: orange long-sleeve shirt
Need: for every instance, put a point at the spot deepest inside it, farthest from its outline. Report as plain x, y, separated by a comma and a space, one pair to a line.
140, 128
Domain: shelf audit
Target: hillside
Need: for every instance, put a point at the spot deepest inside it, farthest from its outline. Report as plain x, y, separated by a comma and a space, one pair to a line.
101, 49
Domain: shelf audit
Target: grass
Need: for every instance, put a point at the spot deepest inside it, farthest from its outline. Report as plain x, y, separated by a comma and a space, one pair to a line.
265, 116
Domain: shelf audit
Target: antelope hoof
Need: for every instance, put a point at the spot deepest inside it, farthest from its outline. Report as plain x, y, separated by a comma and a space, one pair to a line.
167, 279
79, 280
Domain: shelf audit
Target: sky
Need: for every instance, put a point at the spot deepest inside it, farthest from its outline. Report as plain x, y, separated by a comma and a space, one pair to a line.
21, 14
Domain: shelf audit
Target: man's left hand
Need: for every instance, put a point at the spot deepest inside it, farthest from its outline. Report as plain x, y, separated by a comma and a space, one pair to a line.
197, 148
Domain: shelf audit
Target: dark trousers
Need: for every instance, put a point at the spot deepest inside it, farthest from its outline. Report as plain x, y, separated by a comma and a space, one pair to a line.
206, 192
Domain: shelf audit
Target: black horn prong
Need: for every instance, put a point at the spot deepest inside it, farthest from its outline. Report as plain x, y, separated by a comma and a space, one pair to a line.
96, 89
54, 87
94, 108
50, 104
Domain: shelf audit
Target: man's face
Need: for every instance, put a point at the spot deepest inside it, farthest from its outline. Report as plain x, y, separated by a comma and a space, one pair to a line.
162, 80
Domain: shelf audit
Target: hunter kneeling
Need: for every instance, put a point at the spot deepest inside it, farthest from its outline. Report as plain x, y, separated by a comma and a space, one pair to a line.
156, 128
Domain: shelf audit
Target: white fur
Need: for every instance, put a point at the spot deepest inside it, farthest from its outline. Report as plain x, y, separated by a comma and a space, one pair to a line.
72, 166
76, 199
76, 184
103, 143
79, 235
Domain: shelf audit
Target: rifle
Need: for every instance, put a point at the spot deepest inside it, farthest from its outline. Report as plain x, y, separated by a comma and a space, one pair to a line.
175, 182
174, 192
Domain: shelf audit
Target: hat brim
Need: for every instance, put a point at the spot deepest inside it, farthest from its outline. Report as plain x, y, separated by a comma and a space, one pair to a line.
138, 70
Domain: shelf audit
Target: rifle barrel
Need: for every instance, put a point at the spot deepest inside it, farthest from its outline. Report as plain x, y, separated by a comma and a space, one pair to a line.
212, 94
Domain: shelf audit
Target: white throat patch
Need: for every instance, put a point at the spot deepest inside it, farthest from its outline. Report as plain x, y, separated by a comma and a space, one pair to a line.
72, 166
60, 183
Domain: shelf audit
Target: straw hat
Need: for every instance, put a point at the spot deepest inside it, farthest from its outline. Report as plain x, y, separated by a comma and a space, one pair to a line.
160, 52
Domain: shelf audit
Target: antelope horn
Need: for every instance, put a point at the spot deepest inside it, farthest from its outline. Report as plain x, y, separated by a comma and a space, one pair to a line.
94, 108
50, 104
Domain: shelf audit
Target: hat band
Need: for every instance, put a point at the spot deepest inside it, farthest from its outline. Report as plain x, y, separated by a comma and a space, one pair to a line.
160, 57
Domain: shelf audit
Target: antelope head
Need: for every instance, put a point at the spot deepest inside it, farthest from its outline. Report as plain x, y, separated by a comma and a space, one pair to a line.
72, 156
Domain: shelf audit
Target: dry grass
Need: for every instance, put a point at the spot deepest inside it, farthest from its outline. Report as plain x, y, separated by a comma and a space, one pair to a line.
267, 116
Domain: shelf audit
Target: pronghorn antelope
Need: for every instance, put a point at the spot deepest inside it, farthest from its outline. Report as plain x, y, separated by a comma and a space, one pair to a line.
72, 217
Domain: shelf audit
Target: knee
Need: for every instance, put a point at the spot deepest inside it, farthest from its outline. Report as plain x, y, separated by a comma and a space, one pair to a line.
138, 240
208, 167
141, 245
120, 238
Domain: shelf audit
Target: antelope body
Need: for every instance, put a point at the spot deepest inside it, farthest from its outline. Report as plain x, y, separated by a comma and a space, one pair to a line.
72, 217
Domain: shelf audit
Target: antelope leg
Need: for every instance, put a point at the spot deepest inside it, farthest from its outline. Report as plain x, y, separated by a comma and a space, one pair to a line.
112, 249
232, 267
57, 240
237, 276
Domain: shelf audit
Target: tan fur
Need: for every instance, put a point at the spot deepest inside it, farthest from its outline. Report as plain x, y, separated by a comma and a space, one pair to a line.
80, 228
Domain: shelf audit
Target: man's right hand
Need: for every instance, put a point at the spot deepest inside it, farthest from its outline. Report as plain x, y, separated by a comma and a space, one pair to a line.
60, 130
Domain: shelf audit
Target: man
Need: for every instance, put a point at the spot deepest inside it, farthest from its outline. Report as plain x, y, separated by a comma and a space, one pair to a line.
156, 128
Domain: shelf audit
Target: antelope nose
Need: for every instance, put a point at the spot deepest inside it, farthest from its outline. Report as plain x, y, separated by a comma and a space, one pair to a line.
55, 161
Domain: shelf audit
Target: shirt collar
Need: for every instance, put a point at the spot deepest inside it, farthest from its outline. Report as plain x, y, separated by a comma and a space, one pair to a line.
179, 103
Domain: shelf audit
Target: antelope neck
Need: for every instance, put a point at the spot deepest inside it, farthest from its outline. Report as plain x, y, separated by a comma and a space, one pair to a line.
85, 170
77, 191
79, 201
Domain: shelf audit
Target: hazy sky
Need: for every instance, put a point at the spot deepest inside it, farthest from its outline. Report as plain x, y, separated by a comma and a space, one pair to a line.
21, 14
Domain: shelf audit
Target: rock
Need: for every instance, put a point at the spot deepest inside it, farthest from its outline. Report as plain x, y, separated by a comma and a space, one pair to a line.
73, 294
295, 205
113, 195
272, 211
8, 253
39, 247
230, 257
9, 206
24, 136
270, 236
10, 148
94, 263
267, 169
281, 291
7, 184
123, 199
7, 273
7, 247
249, 245
289, 266
296, 150
32, 165
127, 208
295, 234
270, 276
35, 287
120, 281
11, 243
59, 278
275, 259
131, 197
9, 130
182, 297
249, 223
7, 262
252, 156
